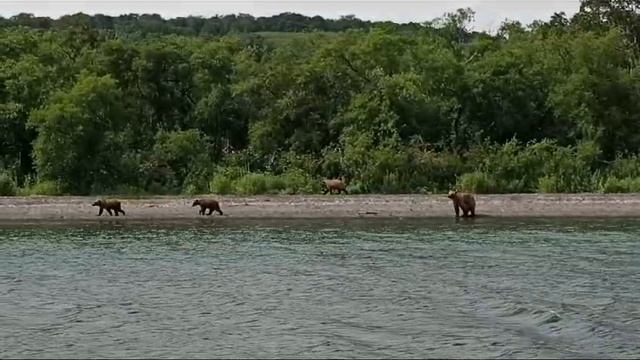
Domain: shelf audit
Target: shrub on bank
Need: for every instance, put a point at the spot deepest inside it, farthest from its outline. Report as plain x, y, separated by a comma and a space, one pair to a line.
625, 168
7, 185
251, 184
616, 185
221, 184
478, 182
296, 181
43, 187
513, 167
536, 167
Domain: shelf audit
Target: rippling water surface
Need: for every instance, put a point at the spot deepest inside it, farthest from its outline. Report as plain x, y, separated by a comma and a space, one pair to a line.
318, 289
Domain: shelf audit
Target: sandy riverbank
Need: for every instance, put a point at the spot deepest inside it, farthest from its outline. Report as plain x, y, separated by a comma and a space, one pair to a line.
21, 209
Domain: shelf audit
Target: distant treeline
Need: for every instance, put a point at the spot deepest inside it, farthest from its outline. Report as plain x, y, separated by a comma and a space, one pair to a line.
196, 25
140, 104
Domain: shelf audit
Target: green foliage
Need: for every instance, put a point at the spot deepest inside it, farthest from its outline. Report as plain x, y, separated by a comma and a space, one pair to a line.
549, 184
275, 184
544, 166
625, 167
184, 153
433, 172
252, 184
221, 184
44, 187
510, 168
571, 170
234, 181
478, 182
76, 144
294, 182
624, 185
98, 104
7, 184
297, 181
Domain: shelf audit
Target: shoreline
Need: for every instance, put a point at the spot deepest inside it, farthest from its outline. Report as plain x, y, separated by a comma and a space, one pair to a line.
177, 208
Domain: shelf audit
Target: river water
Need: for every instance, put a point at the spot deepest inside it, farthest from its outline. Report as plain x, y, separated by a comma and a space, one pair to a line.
481, 288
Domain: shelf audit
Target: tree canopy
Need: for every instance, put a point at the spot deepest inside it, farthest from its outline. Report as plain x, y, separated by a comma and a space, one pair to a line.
95, 104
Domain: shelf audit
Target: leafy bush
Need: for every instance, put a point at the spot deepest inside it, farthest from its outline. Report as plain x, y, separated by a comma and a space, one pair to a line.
300, 182
392, 184
356, 187
251, 184
625, 167
274, 184
45, 187
291, 161
549, 184
512, 167
567, 183
570, 170
543, 166
477, 182
196, 181
616, 185
434, 172
7, 185
221, 184
183, 155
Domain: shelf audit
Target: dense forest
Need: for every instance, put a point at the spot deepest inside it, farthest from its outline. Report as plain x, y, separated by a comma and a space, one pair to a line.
137, 104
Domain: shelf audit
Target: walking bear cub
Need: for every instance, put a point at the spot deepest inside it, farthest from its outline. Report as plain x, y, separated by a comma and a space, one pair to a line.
335, 184
109, 205
205, 204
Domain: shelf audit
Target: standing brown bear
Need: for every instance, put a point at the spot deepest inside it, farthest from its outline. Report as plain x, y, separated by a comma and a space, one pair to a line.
464, 201
109, 205
210, 204
335, 184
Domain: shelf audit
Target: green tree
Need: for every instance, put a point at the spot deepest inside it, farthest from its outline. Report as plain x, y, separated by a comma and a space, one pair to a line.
78, 140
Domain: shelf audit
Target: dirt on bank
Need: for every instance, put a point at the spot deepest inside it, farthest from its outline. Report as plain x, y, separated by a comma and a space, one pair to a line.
24, 209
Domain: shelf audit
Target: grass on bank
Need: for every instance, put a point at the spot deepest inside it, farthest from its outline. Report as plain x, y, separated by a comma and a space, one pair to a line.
513, 167
301, 184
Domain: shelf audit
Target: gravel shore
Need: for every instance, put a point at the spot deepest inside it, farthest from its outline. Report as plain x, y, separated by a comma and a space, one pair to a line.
25, 209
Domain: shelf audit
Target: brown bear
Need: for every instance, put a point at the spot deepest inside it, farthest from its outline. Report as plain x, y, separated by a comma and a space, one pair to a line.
207, 204
109, 205
335, 184
463, 201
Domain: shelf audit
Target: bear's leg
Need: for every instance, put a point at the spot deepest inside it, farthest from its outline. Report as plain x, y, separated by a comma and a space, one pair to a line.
109, 211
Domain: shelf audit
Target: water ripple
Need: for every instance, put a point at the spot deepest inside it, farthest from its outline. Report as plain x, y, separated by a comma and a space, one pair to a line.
481, 289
